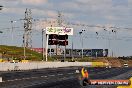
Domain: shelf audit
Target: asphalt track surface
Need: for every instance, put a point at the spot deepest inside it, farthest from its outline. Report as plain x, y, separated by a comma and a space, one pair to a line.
60, 77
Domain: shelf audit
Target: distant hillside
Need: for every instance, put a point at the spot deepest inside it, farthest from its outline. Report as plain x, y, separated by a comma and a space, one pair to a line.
13, 52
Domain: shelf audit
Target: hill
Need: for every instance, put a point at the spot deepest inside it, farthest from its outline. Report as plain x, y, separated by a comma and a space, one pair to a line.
17, 53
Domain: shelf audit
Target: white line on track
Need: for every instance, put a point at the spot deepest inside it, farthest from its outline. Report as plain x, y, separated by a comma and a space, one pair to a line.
70, 73
17, 79
10, 80
34, 77
42, 76
51, 75
60, 74
45, 76
26, 78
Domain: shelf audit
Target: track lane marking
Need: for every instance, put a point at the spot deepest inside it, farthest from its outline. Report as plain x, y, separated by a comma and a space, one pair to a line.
59, 74
45, 76
26, 78
34, 77
70, 73
17, 79
51, 75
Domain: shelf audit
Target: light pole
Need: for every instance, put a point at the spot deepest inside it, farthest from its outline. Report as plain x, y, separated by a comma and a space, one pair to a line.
108, 41
82, 40
72, 48
43, 44
47, 37
114, 50
1, 33
12, 31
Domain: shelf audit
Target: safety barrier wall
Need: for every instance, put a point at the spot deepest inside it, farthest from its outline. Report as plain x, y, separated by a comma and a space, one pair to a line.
7, 66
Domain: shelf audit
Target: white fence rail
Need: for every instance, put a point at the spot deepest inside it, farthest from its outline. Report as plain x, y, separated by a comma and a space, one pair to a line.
6, 66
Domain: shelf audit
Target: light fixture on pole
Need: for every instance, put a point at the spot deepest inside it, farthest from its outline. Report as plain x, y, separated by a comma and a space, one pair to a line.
1, 7
1, 33
82, 40
12, 30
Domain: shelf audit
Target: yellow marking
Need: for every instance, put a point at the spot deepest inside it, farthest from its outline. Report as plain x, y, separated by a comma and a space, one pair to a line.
98, 64
130, 86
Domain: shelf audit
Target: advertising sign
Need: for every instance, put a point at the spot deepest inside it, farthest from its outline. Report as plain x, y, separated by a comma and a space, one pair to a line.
59, 30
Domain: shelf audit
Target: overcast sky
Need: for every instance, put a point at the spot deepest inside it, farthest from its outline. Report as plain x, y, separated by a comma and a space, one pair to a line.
107, 13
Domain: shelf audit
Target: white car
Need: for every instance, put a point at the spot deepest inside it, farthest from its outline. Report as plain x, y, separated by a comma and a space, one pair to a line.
125, 65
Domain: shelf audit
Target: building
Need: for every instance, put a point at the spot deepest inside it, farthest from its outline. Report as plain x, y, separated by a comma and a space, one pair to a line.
87, 52
52, 51
75, 52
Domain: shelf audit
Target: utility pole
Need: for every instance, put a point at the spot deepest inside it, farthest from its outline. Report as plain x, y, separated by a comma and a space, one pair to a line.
27, 41
60, 21
28, 28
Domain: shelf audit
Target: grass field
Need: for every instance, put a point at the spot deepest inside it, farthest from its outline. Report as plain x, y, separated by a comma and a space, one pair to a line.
16, 53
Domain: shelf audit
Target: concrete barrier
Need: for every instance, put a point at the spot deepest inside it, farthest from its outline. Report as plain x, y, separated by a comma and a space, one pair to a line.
7, 66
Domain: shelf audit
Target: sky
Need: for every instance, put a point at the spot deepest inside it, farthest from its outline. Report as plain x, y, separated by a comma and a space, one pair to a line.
106, 15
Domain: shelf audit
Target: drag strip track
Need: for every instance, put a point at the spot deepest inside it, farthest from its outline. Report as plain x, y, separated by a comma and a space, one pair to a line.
67, 83
109, 73
74, 83
57, 78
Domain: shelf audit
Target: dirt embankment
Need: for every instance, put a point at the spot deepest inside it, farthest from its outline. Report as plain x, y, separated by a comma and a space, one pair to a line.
115, 62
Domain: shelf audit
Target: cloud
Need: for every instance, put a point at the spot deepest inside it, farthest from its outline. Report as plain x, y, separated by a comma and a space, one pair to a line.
110, 17
45, 13
120, 2
51, 13
9, 0
34, 2
42, 24
75, 10
13, 10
